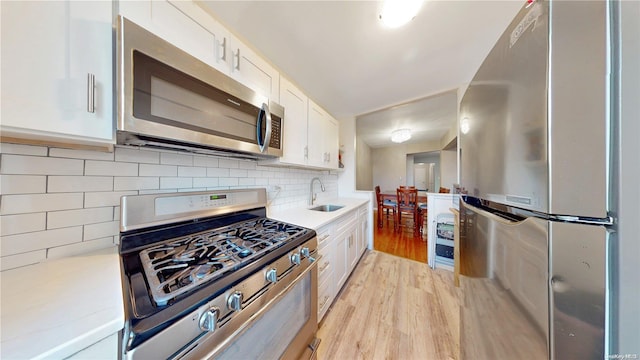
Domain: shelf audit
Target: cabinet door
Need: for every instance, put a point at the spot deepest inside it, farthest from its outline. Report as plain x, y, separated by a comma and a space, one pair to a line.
174, 21
295, 122
254, 72
332, 143
341, 262
352, 249
363, 224
317, 119
50, 51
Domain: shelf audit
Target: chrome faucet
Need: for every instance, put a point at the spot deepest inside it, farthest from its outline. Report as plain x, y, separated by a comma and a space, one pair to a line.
312, 196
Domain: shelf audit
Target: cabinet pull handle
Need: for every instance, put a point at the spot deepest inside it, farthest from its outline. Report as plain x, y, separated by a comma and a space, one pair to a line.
222, 48
323, 238
324, 266
91, 93
237, 56
306, 152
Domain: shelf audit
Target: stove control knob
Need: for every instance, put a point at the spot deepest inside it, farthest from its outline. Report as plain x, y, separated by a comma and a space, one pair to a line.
209, 320
295, 258
272, 275
305, 252
234, 302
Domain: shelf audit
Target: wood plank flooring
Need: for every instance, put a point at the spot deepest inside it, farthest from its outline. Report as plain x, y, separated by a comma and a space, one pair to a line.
402, 243
392, 308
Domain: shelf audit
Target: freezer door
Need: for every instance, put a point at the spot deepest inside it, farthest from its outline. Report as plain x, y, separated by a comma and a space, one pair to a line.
578, 290
504, 280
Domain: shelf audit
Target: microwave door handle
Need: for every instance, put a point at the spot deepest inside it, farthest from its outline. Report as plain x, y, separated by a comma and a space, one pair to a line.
264, 145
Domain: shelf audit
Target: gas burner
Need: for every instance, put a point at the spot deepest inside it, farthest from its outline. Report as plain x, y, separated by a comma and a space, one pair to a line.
179, 265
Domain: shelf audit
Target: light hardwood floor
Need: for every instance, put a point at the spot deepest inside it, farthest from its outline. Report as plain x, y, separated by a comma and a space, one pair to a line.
392, 308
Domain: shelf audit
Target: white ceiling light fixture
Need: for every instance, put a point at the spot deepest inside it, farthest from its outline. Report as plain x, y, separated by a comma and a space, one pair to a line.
400, 135
396, 13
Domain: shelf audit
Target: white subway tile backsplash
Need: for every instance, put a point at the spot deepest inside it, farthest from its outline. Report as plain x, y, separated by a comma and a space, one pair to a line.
100, 230
61, 202
22, 223
59, 219
188, 171
22, 184
79, 183
205, 161
175, 183
176, 159
6, 148
126, 154
81, 154
79, 248
30, 203
24, 259
246, 181
106, 198
110, 168
237, 173
228, 181
262, 181
205, 182
36, 165
248, 165
228, 163
21, 243
158, 170
217, 172
136, 183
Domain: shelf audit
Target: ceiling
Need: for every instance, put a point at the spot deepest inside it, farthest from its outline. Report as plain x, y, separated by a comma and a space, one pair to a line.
342, 57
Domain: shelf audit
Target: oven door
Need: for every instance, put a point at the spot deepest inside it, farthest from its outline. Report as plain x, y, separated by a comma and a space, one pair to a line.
283, 329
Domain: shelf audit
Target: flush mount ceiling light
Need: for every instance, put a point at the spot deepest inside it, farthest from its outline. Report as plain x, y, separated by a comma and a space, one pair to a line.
396, 13
400, 135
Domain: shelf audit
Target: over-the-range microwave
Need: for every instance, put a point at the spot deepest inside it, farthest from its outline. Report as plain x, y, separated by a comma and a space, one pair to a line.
169, 99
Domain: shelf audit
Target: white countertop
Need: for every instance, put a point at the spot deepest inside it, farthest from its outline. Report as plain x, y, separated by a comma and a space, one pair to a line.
316, 219
56, 308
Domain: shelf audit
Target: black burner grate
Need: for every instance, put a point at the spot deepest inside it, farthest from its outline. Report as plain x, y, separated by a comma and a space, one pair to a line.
179, 265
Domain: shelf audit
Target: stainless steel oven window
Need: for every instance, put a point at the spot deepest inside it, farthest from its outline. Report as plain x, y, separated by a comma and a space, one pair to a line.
270, 336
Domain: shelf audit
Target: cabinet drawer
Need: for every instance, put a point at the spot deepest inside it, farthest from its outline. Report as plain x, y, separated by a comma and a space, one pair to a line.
346, 221
324, 235
363, 211
325, 297
325, 269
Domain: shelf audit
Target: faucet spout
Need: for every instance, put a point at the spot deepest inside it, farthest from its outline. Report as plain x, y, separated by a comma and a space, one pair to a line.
312, 196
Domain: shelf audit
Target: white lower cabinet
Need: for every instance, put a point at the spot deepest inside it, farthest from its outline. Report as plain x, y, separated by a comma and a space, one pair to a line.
338, 244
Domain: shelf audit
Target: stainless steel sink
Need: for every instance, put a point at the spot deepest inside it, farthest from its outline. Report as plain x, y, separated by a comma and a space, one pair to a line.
327, 208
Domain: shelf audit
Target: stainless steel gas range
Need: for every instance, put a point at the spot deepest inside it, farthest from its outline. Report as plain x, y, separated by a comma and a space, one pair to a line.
208, 275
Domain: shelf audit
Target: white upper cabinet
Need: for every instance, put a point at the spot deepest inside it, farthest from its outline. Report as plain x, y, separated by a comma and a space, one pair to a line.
57, 71
295, 122
250, 69
322, 138
310, 133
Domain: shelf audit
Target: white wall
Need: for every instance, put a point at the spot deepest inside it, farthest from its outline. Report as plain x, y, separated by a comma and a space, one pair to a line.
364, 173
448, 169
58, 202
389, 164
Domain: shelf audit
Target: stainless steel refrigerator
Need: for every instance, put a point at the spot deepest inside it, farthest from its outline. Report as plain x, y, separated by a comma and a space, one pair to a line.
537, 160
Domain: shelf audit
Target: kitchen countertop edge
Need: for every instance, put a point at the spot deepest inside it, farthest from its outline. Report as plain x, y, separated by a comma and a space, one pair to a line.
312, 219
